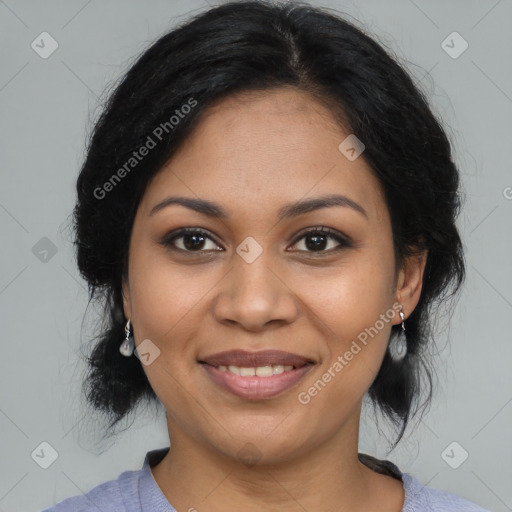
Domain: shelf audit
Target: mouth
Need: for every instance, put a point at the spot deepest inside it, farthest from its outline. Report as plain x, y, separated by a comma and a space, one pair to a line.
256, 375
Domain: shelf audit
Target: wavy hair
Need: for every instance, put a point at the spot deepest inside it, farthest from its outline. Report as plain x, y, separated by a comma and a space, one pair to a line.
256, 46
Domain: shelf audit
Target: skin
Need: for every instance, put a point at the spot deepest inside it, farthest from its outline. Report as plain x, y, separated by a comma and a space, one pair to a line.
282, 146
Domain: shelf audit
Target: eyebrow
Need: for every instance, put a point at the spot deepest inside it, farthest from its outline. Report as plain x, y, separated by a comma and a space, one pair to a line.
214, 210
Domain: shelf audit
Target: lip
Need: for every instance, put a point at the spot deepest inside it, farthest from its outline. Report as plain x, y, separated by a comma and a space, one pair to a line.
245, 359
253, 387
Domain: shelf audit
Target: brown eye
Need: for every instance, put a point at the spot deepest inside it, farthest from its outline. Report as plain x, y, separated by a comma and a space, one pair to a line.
189, 240
317, 241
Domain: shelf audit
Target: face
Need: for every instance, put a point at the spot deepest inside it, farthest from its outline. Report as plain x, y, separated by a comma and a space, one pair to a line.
263, 278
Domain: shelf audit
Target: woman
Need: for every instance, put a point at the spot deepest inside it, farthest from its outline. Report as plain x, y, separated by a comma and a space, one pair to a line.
268, 209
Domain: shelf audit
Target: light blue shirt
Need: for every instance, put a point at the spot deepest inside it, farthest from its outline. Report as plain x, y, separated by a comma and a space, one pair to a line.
137, 491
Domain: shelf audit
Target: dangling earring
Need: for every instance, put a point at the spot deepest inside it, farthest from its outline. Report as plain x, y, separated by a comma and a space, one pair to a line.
398, 345
128, 344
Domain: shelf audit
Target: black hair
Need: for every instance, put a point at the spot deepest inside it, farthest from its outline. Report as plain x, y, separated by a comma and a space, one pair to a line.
243, 46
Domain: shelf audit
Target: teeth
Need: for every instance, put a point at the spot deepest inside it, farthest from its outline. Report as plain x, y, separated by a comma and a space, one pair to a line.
260, 371
264, 371
234, 369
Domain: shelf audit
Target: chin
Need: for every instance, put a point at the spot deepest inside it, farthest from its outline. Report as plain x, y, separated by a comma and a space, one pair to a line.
260, 449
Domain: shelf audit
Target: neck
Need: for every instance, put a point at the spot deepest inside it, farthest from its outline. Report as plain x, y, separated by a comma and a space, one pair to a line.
194, 476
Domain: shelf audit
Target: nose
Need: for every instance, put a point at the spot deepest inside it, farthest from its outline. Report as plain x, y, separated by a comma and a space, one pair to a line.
253, 295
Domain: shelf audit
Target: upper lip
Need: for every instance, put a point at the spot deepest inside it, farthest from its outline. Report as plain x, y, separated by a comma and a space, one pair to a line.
244, 359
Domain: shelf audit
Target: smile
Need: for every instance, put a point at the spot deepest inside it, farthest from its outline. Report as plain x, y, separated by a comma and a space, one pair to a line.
256, 375
260, 371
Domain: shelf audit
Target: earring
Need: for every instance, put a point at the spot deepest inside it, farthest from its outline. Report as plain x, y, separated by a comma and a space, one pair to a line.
398, 345
128, 344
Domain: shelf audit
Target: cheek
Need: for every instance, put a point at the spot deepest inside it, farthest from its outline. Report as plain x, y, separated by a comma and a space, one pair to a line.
360, 325
355, 302
163, 294
163, 299
353, 296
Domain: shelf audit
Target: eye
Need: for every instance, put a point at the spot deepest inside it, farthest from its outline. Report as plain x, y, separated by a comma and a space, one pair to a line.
190, 240
195, 239
316, 240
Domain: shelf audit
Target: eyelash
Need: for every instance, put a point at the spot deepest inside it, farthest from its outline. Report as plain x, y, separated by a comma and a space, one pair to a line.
168, 240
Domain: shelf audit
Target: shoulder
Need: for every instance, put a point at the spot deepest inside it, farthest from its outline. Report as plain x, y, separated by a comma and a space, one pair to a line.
421, 498
108, 496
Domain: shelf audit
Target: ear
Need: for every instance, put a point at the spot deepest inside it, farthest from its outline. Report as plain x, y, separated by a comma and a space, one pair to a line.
127, 306
410, 282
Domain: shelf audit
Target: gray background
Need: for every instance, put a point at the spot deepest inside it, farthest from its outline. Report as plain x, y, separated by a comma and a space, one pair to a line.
47, 108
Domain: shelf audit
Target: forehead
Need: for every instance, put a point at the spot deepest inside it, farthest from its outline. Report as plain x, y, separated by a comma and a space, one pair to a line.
279, 145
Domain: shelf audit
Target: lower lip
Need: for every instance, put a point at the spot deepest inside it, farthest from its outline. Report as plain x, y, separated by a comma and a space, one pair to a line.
256, 388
